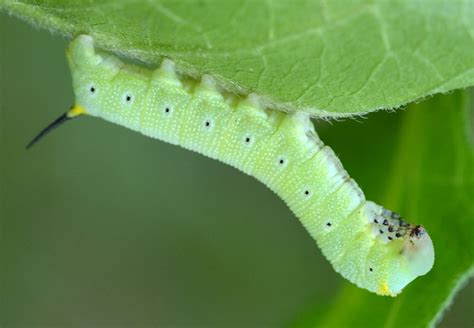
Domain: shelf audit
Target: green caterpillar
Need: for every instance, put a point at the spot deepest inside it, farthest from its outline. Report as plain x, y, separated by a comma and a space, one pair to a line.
370, 246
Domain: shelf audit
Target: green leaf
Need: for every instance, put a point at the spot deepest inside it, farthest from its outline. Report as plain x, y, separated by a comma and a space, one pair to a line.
430, 180
329, 58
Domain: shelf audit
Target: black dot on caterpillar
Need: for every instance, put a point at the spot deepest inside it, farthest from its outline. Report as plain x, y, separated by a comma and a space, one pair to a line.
128, 99
248, 140
281, 161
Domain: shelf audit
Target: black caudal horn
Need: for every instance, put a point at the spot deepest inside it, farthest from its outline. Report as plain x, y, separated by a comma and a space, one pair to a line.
74, 112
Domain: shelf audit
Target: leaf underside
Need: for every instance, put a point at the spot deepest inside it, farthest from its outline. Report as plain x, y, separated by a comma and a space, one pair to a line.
328, 58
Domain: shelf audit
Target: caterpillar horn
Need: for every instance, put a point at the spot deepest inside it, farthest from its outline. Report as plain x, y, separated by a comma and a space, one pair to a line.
74, 112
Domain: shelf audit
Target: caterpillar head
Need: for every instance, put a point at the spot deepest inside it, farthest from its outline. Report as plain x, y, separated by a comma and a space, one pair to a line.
418, 250
407, 251
416, 258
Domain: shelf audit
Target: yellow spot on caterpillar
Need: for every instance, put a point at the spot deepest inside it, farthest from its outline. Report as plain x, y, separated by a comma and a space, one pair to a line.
75, 111
384, 290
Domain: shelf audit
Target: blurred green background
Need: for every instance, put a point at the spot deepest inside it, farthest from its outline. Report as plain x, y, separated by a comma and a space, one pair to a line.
101, 226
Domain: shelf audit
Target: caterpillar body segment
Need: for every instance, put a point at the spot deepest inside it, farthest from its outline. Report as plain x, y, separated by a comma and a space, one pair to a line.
370, 246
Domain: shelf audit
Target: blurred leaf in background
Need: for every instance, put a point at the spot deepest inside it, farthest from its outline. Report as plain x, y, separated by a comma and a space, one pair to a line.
104, 227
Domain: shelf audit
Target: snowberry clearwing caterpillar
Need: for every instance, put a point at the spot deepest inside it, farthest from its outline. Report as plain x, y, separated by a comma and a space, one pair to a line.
372, 247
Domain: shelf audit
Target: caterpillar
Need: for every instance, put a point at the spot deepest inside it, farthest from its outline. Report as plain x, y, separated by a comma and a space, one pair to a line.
372, 247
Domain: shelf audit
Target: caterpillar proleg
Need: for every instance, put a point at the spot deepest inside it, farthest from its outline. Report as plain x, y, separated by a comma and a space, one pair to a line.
372, 247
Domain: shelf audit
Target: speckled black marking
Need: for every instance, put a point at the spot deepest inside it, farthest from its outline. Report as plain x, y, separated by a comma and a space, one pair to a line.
417, 231
397, 227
